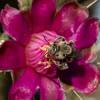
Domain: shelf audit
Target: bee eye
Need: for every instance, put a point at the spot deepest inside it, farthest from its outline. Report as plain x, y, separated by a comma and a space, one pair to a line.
54, 47
64, 46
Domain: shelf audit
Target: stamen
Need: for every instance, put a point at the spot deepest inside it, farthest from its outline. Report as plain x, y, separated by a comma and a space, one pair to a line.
47, 64
44, 48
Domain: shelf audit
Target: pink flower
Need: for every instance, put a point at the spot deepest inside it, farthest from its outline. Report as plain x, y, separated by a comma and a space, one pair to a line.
33, 33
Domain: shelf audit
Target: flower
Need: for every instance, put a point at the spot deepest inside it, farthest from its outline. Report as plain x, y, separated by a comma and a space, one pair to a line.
3, 3
81, 73
38, 41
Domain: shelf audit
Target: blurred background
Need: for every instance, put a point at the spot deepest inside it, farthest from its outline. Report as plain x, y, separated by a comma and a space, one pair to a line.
95, 11
5, 77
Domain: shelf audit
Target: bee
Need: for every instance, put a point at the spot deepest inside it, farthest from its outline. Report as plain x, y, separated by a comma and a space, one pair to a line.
61, 52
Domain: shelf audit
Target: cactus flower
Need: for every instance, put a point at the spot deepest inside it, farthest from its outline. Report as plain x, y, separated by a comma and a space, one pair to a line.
48, 45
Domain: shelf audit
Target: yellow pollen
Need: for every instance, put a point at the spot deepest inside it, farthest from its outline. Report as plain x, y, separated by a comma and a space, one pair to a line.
44, 47
45, 63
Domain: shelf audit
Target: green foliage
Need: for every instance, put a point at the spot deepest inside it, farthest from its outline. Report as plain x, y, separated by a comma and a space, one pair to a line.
3, 37
5, 83
25, 4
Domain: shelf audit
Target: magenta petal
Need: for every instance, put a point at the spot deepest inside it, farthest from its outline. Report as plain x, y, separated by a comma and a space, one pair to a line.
36, 51
51, 90
43, 12
14, 24
25, 87
87, 33
68, 19
11, 56
83, 77
87, 82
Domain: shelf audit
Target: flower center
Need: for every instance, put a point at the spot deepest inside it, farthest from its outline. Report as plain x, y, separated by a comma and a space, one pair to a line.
61, 52
46, 49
